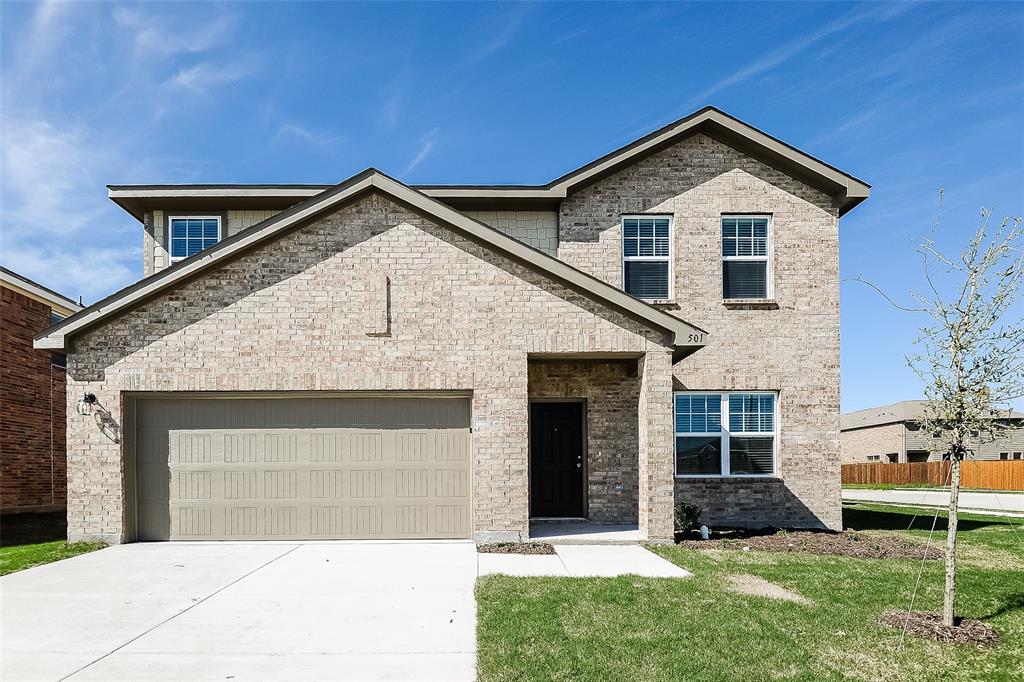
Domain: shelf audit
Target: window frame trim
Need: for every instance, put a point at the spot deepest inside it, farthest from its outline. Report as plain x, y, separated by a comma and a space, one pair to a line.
725, 434
623, 258
219, 217
768, 258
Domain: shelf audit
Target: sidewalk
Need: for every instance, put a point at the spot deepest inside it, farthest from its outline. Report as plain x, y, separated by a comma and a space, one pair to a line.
1000, 504
582, 561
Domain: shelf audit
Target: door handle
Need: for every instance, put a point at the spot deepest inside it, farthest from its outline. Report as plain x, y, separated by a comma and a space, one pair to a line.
578, 465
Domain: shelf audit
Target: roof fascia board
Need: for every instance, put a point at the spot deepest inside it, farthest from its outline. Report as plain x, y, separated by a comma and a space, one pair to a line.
848, 190
438, 192
683, 335
851, 186
116, 192
58, 302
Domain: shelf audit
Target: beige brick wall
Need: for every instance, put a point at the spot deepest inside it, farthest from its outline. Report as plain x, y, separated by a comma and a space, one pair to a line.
289, 316
883, 440
791, 347
612, 393
539, 229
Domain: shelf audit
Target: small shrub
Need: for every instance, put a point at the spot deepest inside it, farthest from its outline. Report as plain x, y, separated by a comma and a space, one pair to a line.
687, 517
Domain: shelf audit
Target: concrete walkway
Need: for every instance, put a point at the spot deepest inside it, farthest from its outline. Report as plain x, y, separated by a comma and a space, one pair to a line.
258, 611
577, 561
1009, 504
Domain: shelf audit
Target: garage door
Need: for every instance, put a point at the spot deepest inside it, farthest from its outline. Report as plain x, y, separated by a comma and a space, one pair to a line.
302, 468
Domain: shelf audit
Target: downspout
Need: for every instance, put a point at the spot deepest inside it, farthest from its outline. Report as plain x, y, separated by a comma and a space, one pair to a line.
903, 447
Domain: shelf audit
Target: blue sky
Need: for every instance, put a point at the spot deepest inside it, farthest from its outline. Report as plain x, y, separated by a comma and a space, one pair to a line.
910, 97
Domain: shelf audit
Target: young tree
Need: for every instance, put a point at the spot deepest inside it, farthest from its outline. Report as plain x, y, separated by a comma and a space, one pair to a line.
970, 352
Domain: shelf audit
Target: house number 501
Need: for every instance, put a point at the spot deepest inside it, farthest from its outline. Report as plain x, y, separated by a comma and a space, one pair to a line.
696, 338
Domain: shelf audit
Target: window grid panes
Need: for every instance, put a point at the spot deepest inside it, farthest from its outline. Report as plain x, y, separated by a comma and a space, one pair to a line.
745, 257
743, 444
698, 413
645, 253
751, 413
189, 236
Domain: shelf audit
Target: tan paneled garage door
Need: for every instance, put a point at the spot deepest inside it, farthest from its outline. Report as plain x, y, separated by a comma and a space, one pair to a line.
302, 468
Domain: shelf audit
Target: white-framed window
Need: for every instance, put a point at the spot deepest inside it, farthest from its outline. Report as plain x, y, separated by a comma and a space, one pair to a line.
746, 261
647, 256
726, 434
191, 234
874, 458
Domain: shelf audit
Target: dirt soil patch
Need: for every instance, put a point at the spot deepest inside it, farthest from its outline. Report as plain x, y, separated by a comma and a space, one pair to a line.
516, 548
847, 543
929, 625
754, 586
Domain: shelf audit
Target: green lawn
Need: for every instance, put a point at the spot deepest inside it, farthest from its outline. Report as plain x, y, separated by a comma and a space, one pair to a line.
21, 557
28, 540
656, 629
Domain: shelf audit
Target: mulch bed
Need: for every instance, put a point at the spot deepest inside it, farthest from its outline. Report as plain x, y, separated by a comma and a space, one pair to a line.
516, 548
823, 543
929, 625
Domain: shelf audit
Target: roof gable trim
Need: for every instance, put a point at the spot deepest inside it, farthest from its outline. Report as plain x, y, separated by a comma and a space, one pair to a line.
683, 335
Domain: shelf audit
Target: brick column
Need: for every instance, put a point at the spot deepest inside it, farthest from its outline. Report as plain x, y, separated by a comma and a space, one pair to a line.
654, 416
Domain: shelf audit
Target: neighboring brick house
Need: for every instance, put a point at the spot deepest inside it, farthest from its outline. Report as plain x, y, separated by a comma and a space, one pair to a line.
893, 434
33, 475
373, 360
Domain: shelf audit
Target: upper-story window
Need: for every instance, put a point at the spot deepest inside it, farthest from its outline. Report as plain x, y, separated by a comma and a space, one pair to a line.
646, 256
745, 249
192, 234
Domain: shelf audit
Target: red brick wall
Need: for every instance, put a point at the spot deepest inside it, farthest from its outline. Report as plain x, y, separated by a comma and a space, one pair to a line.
33, 466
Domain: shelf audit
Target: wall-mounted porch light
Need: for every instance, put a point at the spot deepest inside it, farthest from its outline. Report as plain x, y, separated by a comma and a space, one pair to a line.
85, 405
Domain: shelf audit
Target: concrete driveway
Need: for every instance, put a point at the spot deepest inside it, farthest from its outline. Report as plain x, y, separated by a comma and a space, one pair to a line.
260, 611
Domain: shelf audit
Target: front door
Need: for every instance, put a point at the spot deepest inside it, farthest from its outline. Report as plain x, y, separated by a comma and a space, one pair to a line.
556, 460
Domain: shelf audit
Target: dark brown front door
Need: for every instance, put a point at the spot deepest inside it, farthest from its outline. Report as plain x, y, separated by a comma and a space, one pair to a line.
556, 459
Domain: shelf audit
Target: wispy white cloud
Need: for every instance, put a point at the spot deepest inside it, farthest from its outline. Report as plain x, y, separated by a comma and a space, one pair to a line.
43, 168
508, 25
155, 36
851, 123
89, 272
774, 58
205, 75
56, 226
427, 145
394, 95
319, 139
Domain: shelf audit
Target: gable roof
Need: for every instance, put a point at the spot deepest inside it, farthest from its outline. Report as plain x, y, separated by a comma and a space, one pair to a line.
896, 413
59, 304
845, 189
679, 331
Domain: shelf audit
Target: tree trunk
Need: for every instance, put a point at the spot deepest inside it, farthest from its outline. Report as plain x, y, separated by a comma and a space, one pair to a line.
949, 597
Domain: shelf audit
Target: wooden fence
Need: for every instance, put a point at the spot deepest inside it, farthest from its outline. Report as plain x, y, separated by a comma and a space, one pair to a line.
990, 475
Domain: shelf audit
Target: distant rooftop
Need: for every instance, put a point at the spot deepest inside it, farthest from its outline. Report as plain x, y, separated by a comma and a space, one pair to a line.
903, 411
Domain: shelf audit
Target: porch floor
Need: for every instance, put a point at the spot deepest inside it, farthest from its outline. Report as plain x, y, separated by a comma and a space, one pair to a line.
584, 533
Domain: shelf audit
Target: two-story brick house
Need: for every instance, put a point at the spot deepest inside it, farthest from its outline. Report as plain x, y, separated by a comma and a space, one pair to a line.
373, 360
32, 397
